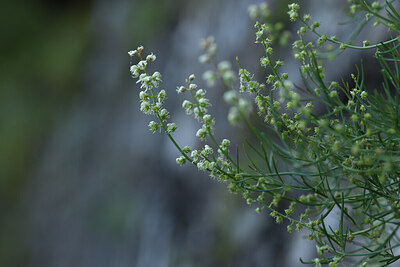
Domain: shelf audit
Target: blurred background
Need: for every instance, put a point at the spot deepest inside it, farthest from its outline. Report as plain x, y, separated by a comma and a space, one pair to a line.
83, 182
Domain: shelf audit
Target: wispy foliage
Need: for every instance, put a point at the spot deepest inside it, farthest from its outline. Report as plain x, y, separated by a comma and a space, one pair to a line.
343, 163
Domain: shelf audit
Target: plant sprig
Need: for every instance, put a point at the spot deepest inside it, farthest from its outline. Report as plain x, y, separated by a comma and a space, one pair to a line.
343, 163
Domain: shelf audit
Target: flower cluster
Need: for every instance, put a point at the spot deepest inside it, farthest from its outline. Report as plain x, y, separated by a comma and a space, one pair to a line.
274, 30
210, 48
293, 11
218, 163
259, 11
343, 161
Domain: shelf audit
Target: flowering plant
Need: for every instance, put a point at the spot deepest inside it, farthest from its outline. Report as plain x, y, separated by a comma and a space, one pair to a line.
341, 164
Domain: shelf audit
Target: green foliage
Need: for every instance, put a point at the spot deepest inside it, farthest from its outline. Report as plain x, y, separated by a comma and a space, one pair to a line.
342, 164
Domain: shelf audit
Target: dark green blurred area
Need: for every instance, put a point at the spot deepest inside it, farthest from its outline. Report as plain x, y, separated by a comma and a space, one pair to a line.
43, 51
44, 48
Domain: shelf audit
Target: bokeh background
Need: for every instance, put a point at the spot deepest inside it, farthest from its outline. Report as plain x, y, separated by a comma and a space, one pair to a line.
82, 180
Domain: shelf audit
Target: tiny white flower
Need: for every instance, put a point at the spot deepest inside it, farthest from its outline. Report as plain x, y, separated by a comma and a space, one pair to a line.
364, 95
207, 119
192, 86
181, 160
229, 76
206, 43
143, 95
202, 166
153, 126
200, 93
162, 95
132, 53
186, 104
253, 11
244, 105
142, 65
212, 49
134, 71
194, 155
201, 133
140, 49
210, 77
171, 127
230, 97
196, 112
145, 82
204, 102
224, 66
181, 89
157, 76
151, 57
233, 116
204, 59
186, 149
207, 150
145, 107
164, 114
225, 143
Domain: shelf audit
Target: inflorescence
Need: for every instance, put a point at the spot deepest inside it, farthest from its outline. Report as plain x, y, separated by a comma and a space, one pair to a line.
344, 162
